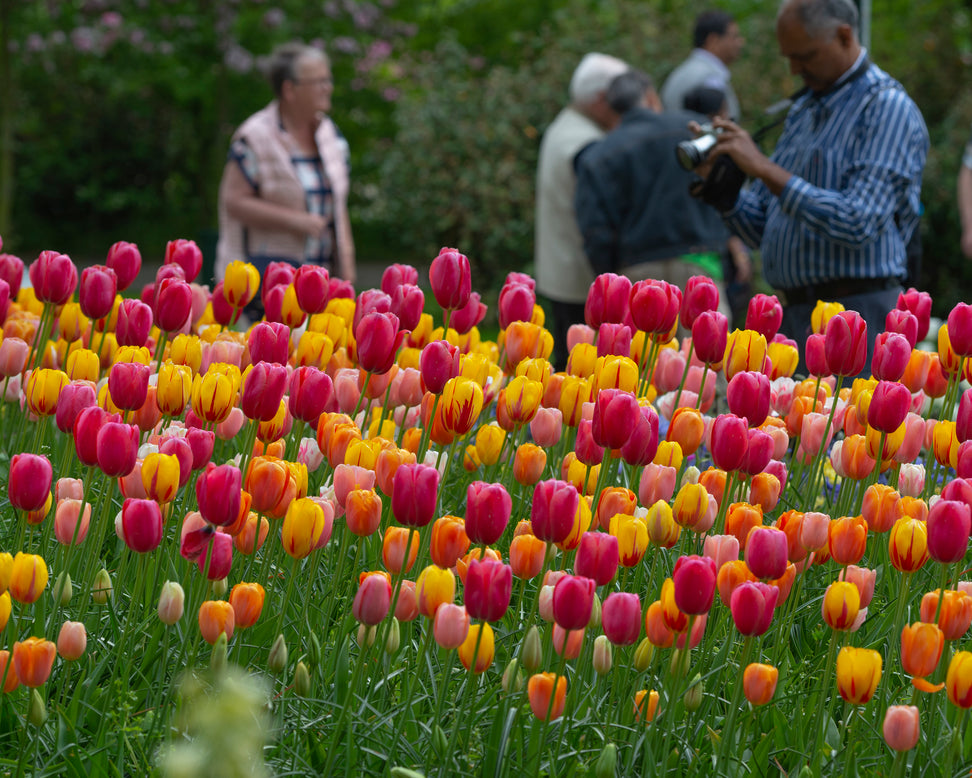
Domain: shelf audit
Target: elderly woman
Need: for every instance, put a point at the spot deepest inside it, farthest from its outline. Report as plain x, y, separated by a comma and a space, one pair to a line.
283, 195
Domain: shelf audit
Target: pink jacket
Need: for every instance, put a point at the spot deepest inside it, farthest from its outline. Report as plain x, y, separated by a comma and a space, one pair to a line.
279, 184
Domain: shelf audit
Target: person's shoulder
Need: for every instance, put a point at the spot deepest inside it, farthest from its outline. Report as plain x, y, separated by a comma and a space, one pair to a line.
888, 94
256, 122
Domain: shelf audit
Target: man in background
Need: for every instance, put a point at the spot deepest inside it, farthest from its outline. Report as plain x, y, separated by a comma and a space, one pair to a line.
718, 44
563, 273
965, 200
633, 203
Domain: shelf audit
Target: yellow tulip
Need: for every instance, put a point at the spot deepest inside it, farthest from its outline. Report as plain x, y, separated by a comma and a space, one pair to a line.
83, 365
174, 388
240, 283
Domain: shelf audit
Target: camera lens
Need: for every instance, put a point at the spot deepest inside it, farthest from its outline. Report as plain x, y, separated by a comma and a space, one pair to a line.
690, 153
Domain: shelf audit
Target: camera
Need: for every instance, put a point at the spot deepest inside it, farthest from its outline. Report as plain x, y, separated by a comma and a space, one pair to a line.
691, 153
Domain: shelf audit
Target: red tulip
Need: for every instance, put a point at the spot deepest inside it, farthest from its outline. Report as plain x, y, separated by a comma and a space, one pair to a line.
816, 355
140, 524
889, 406
126, 260
642, 443
587, 450
701, 294
54, 277
218, 494
310, 392
759, 452
438, 363
269, 342
695, 581
615, 415
655, 305
573, 600
128, 385
891, 354
919, 304
263, 388
221, 548
396, 275
451, 279
468, 316
597, 557
553, 509
845, 343
748, 395
117, 448
752, 604
766, 552
99, 284
29, 481
173, 304
488, 509
710, 331
373, 599
311, 284
134, 323
730, 439
414, 494
764, 315
187, 255
949, 523
960, 329
515, 303
201, 442
613, 339
487, 588
607, 300
407, 304
12, 271
621, 618
378, 340
902, 323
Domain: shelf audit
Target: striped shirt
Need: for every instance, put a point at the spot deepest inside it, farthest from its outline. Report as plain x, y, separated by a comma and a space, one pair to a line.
856, 155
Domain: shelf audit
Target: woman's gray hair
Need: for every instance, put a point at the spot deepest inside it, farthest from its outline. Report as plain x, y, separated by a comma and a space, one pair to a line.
283, 61
821, 18
592, 77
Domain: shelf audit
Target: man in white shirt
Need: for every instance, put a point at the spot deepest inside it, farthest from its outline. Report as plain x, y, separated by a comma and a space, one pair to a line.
718, 44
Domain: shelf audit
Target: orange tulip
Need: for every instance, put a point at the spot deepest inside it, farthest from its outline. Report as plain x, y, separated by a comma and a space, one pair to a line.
449, 541
646, 705
955, 616
363, 512
215, 618
714, 481
32, 661
759, 683
528, 464
914, 507
614, 499
740, 519
791, 523
546, 701
8, 673
246, 599
393, 549
916, 372
921, 648
527, 553
730, 575
253, 534
880, 507
687, 429
765, 491
784, 583
267, 481
855, 460
847, 539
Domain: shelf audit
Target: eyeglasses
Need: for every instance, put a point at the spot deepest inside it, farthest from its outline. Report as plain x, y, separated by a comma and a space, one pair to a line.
318, 82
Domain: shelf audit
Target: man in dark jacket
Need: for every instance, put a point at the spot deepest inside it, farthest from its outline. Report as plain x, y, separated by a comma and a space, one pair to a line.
633, 204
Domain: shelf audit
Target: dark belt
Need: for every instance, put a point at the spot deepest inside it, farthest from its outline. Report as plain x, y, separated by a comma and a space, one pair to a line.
837, 289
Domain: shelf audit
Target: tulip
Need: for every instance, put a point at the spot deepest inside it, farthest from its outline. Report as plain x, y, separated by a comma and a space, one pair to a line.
70, 522
53, 277
748, 395
450, 626
488, 508
597, 557
901, 728
449, 541
766, 552
642, 444
741, 519
29, 481
414, 494
908, 545
621, 618
655, 306
694, 578
858, 674
847, 539
553, 509
378, 341
845, 343
477, 650
759, 683
218, 494
764, 315
863, 579
396, 275
373, 599
889, 406
919, 304
880, 507
840, 606
311, 284
949, 524
451, 279
921, 648
43, 390
892, 351
33, 659
160, 474
745, 351
709, 336
488, 587
72, 640
216, 617
173, 304
958, 680
955, 614
730, 438
140, 525
573, 598
751, 604
303, 525
28, 578
438, 363
187, 255
263, 388
171, 603
527, 554
269, 342
547, 701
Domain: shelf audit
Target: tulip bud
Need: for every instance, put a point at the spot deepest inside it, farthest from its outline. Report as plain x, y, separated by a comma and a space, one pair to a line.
606, 762
218, 587
439, 741
302, 681
693, 696
643, 655
171, 603
101, 590
36, 709
394, 639
217, 658
603, 655
277, 659
72, 640
676, 668
532, 653
63, 590
512, 677
595, 621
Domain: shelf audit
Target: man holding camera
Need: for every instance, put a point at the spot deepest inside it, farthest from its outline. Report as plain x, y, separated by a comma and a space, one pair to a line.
834, 207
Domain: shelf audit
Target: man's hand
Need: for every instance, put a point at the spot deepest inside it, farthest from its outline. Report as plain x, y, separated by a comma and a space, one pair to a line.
740, 146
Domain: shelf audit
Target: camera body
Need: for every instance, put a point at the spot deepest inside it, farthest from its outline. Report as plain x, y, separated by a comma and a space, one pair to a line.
691, 153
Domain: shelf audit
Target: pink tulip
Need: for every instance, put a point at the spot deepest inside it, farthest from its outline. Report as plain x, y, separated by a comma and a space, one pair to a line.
488, 509
12, 271
134, 323
438, 363
53, 276
73, 399
408, 303
863, 579
902, 727
579, 333
764, 315
117, 448
891, 354
414, 494
126, 260
748, 395
263, 388
657, 483
695, 580
960, 329
845, 343
218, 494
597, 557
730, 439
451, 279
269, 342
701, 294
710, 331
607, 300
515, 303
615, 416
72, 640
221, 548
71, 522
99, 285
378, 340
128, 385
903, 323
766, 553
889, 406
654, 305
621, 618
948, 530
372, 600
816, 355
487, 590
573, 599
140, 525
450, 626
752, 605
585, 447
911, 480
311, 287
396, 275
547, 427
721, 548
472, 313
919, 304
613, 339
553, 509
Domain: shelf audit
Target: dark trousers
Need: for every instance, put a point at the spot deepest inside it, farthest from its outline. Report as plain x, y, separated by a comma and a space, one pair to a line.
564, 315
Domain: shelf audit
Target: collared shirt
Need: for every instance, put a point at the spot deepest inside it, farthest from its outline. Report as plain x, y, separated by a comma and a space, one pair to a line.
719, 79
856, 155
